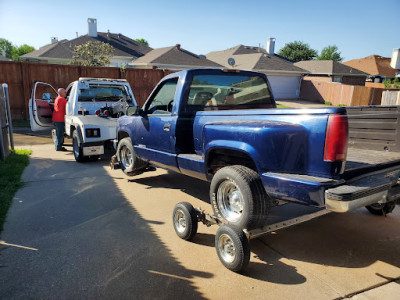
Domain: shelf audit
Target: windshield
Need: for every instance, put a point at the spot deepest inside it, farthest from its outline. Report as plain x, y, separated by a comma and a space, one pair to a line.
104, 93
230, 91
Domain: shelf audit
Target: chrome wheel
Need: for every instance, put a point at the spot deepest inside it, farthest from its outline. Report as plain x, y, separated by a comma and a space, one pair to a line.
180, 221
126, 157
226, 248
230, 201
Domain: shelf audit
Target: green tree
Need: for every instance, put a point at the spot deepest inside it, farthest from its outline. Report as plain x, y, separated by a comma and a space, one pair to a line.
94, 54
387, 83
143, 41
396, 83
7, 46
330, 53
298, 51
21, 50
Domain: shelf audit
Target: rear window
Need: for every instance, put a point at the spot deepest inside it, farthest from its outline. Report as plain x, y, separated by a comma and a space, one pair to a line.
230, 91
103, 93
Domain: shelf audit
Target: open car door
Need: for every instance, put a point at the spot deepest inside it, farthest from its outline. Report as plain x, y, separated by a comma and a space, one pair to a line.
41, 106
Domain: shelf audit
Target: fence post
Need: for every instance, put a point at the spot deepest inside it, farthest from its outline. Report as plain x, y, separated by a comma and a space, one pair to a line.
8, 114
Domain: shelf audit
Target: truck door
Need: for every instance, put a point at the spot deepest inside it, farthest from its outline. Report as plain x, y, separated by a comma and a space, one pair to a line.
41, 106
155, 132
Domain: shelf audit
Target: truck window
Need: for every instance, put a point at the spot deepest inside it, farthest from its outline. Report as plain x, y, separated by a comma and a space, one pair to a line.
162, 100
230, 91
103, 93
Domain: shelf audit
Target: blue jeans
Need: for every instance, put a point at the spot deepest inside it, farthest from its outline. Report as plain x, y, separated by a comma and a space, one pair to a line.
60, 129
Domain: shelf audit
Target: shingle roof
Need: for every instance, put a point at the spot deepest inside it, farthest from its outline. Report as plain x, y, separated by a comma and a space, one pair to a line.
373, 65
2, 58
173, 56
123, 46
253, 58
328, 67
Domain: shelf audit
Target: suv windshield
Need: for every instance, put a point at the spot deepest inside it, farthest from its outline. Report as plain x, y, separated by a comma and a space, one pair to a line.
229, 91
103, 92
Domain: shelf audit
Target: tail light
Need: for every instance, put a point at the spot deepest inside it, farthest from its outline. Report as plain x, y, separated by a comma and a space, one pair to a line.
107, 112
97, 112
337, 133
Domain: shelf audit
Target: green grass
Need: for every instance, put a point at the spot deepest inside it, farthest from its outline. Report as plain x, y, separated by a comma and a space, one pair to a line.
282, 106
10, 179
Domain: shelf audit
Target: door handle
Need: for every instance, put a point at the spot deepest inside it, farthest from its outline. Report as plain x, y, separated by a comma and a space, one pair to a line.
167, 127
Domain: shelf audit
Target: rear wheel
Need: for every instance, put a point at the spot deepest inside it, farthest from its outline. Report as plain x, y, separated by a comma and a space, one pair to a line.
238, 197
232, 248
381, 209
128, 158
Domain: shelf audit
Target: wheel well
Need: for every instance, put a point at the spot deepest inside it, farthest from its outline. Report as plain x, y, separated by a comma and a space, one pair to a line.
220, 158
122, 135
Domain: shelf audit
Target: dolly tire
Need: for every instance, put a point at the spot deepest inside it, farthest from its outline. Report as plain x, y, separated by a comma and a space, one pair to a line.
232, 248
184, 219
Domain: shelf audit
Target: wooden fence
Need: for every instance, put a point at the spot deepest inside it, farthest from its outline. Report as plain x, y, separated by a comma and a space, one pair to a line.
336, 93
20, 75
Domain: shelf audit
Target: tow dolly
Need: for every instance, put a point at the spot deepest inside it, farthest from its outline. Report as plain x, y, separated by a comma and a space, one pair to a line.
231, 242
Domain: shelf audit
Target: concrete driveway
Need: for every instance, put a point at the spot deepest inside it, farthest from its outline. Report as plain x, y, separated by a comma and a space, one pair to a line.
83, 231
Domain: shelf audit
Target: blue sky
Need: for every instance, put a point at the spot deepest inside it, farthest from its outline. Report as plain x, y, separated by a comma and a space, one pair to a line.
358, 28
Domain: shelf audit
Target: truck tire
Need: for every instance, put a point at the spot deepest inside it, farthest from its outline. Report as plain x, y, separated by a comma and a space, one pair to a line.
127, 157
76, 148
185, 221
232, 248
238, 197
381, 209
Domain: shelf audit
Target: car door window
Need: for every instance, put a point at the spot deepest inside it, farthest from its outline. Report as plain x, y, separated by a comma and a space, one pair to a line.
162, 101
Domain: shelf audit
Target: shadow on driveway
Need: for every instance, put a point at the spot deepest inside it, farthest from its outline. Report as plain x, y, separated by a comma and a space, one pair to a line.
91, 243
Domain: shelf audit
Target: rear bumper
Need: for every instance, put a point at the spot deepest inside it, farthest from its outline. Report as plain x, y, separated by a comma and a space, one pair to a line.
335, 195
377, 187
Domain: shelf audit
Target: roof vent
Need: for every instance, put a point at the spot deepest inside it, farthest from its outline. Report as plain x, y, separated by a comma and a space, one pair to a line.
92, 27
54, 40
270, 46
119, 35
178, 46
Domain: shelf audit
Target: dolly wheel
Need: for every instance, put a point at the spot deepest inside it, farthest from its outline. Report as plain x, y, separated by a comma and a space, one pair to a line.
232, 248
185, 220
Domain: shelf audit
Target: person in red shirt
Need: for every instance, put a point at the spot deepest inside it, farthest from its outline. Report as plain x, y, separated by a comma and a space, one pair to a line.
58, 119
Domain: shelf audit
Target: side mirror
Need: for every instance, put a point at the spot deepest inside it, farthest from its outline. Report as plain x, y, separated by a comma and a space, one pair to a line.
134, 111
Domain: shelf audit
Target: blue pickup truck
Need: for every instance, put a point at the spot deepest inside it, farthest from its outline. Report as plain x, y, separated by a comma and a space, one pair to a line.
223, 126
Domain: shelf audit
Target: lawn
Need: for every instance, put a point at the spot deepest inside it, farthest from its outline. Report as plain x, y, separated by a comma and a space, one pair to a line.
10, 179
282, 106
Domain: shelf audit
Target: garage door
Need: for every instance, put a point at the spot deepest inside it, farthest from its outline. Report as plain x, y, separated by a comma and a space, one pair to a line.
284, 87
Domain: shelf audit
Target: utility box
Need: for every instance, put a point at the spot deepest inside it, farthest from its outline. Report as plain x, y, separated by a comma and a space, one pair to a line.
4, 140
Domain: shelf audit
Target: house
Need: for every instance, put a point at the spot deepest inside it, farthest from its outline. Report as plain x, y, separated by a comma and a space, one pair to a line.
376, 66
61, 52
332, 71
172, 58
283, 75
3, 56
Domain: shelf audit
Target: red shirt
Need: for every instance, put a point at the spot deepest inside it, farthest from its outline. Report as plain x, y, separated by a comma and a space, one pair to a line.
59, 109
